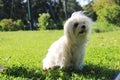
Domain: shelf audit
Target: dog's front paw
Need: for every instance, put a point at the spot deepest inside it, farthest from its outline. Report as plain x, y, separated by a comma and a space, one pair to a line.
80, 66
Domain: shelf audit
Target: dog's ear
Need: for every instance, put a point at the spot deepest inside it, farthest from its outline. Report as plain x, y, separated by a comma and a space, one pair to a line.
78, 13
82, 12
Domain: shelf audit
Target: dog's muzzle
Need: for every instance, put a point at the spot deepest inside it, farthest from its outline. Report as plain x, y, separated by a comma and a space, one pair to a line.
83, 27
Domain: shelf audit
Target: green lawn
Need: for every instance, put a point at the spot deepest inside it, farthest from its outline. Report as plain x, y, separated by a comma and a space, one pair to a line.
21, 55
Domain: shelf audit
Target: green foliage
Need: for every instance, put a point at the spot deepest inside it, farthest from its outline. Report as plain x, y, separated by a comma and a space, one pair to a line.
6, 24
100, 4
110, 14
10, 25
19, 24
45, 21
104, 26
24, 62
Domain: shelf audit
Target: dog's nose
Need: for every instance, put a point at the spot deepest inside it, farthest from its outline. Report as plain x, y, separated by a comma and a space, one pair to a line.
83, 26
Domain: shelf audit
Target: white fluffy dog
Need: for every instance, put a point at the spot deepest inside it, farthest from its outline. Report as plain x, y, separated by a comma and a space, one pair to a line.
69, 50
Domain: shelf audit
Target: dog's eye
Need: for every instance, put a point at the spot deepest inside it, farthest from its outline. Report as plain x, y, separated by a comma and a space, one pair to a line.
75, 25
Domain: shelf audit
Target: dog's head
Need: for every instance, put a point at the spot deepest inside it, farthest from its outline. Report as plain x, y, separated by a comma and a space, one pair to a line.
77, 26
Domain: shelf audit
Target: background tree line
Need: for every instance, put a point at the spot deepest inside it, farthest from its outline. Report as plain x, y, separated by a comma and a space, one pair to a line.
14, 13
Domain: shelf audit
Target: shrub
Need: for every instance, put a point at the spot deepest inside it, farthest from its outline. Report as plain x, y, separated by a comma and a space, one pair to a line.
45, 21
6, 24
10, 25
104, 27
100, 4
19, 25
110, 14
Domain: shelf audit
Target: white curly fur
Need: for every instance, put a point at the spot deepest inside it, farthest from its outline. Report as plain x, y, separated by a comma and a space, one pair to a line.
69, 50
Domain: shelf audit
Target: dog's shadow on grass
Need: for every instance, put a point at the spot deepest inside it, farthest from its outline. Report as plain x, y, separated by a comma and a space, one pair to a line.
24, 72
89, 71
95, 72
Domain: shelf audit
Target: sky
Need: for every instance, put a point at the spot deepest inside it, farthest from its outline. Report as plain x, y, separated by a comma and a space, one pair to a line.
24, 1
83, 2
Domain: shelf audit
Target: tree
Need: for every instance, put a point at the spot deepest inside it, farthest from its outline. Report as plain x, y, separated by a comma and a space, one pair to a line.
14, 9
110, 14
2, 14
89, 11
38, 6
100, 4
17, 9
117, 2
107, 11
72, 6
